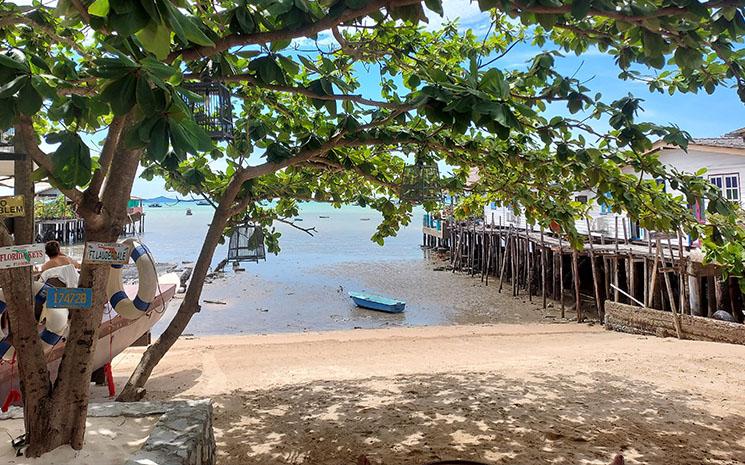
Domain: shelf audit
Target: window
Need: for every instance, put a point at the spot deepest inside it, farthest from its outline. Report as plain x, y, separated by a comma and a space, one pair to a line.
661, 182
580, 198
493, 205
729, 184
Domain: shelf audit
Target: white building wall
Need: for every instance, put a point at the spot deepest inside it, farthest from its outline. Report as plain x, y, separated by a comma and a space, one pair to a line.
717, 163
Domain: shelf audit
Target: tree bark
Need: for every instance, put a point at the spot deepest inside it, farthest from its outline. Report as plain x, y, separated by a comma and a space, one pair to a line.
56, 414
134, 389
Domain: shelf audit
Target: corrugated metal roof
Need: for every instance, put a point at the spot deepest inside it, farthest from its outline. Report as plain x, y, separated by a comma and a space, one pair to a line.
725, 142
736, 133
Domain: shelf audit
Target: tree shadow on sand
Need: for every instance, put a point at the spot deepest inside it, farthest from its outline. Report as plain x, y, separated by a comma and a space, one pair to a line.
408, 420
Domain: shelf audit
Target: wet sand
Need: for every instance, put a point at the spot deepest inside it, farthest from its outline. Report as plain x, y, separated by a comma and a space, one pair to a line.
517, 394
314, 297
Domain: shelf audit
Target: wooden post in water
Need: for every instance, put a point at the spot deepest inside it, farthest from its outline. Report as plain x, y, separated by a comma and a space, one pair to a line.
577, 296
595, 284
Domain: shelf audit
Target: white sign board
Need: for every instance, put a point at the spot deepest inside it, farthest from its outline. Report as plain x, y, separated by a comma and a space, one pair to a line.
21, 255
112, 253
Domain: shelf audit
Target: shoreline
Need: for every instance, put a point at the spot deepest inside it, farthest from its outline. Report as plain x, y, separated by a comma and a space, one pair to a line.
314, 297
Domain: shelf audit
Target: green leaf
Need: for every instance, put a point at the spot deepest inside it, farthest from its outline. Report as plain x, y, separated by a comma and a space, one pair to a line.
17, 62
10, 88
156, 38
267, 69
99, 8
29, 99
580, 8
146, 97
72, 162
158, 146
121, 94
434, 5
186, 27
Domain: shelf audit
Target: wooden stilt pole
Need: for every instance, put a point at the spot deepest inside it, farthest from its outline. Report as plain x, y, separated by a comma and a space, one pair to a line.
653, 281
498, 265
595, 284
489, 245
505, 257
515, 277
629, 262
529, 263
577, 296
543, 269
685, 307
561, 276
676, 320
615, 266
483, 252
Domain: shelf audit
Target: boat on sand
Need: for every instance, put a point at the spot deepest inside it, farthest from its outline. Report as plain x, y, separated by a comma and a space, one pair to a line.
115, 334
377, 302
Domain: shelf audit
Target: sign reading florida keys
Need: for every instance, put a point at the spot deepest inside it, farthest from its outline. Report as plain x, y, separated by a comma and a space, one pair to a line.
11, 206
103, 252
76, 297
21, 255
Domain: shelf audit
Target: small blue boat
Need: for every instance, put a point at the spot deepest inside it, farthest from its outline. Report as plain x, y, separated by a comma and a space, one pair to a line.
376, 302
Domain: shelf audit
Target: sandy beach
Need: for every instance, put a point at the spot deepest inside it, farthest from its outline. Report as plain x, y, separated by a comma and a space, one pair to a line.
518, 394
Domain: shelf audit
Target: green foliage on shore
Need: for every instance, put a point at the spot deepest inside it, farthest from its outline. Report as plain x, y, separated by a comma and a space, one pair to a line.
56, 209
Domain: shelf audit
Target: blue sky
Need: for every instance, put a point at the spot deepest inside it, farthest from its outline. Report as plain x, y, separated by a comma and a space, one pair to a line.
702, 115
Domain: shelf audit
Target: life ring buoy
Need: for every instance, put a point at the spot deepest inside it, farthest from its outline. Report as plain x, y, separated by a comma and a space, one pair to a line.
131, 309
54, 320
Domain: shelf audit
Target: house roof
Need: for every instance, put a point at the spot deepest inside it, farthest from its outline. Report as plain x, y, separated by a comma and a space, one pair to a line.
725, 141
731, 143
736, 133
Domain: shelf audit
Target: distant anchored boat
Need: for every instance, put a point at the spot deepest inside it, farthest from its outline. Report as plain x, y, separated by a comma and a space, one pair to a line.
203, 202
377, 302
188, 212
155, 205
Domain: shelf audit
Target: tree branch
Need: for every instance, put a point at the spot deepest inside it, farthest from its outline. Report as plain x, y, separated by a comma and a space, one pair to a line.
327, 22
356, 98
28, 136
308, 231
107, 153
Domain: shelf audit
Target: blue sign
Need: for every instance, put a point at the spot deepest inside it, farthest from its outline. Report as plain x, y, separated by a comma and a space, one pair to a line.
66, 297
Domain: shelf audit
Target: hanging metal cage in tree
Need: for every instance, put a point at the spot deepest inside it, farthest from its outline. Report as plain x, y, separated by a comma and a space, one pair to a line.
7, 146
247, 243
215, 111
420, 182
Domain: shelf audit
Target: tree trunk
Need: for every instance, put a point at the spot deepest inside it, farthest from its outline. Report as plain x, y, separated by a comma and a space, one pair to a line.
134, 389
55, 414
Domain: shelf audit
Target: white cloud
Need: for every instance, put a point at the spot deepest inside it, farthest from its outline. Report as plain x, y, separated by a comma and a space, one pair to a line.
466, 12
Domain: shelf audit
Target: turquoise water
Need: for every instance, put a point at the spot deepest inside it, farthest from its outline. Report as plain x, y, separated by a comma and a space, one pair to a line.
302, 288
174, 237
306, 286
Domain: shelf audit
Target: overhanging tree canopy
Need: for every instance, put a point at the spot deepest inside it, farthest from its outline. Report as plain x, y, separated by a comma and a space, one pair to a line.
115, 72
